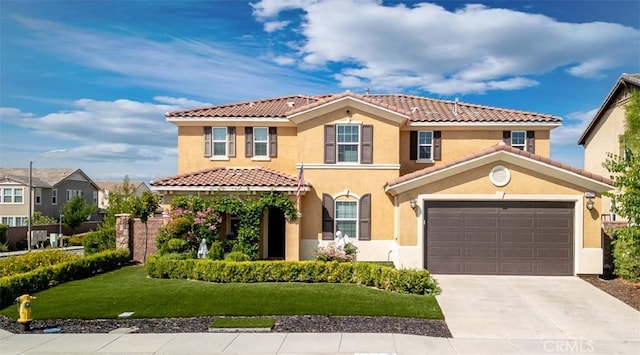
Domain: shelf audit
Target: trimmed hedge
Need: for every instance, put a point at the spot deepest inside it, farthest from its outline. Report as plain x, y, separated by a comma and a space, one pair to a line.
19, 264
385, 278
48, 276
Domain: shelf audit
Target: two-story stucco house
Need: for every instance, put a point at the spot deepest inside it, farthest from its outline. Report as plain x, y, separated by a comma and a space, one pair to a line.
52, 188
601, 137
448, 186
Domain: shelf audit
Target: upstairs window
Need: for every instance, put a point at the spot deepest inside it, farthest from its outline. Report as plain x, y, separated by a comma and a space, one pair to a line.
260, 142
425, 145
38, 196
523, 140
12, 195
348, 143
220, 141
54, 196
73, 193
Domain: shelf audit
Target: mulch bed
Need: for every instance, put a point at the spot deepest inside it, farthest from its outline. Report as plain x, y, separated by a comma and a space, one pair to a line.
625, 291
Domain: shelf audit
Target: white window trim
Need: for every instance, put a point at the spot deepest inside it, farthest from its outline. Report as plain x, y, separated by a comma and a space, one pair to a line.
418, 145
357, 144
13, 220
523, 145
54, 196
13, 195
260, 157
38, 196
346, 198
226, 144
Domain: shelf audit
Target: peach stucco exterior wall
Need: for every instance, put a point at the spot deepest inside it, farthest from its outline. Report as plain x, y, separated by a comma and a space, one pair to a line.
459, 143
191, 149
605, 140
311, 136
476, 182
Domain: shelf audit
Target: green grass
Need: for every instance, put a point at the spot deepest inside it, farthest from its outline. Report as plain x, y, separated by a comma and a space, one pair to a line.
129, 289
235, 322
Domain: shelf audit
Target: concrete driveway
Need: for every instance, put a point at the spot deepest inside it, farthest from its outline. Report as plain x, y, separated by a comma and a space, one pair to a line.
534, 307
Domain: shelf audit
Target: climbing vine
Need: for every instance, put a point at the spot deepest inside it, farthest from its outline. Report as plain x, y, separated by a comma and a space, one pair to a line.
188, 211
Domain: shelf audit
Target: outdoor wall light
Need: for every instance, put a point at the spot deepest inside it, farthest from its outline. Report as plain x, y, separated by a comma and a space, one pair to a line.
412, 203
590, 195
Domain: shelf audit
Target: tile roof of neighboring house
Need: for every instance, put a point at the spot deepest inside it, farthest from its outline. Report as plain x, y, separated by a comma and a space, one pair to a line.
419, 109
493, 149
633, 79
110, 185
230, 177
41, 177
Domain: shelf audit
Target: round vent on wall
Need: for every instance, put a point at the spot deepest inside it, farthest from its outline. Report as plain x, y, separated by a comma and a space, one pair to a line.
500, 175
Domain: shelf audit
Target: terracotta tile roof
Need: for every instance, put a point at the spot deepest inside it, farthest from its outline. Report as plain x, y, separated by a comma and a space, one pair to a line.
230, 177
419, 109
493, 149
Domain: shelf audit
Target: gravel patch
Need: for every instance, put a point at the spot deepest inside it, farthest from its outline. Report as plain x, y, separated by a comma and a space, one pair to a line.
284, 324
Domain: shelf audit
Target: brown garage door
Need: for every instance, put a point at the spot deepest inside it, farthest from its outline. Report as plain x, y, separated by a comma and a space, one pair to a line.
499, 238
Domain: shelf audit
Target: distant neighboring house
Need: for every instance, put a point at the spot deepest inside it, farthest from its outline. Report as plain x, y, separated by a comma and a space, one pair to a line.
601, 136
52, 188
109, 186
447, 186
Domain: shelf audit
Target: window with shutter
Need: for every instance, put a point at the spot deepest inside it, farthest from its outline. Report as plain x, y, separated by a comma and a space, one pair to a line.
367, 145
364, 218
327, 217
329, 144
248, 138
207, 141
348, 143
260, 142
219, 141
519, 139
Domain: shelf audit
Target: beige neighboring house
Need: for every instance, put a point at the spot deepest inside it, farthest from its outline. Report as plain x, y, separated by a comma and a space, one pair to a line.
52, 188
105, 187
447, 186
601, 136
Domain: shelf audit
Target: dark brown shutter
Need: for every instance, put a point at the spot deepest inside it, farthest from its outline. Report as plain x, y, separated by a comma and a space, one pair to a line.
413, 145
231, 139
437, 145
207, 141
329, 144
273, 142
366, 152
365, 218
327, 217
248, 139
531, 141
506, 137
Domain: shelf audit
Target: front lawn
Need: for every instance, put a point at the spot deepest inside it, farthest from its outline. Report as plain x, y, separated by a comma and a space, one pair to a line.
129, 289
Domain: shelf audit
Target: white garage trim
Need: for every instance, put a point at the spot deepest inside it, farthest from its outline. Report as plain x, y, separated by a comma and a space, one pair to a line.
586, 260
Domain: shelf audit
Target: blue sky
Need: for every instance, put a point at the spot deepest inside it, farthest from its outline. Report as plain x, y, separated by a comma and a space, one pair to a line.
96, 77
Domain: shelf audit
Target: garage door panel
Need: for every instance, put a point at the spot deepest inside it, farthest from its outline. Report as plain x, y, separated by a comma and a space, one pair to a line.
516, 236
499, 237
479, 252
481, 237
518, 253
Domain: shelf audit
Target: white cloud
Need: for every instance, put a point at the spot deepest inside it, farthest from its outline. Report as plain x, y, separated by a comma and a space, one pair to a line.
283, 60
572, 128
205, 68
273, 26
473, 49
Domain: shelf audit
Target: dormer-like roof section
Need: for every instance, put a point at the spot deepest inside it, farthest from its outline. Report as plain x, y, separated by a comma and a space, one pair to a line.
230, 179
416, 108
626, 81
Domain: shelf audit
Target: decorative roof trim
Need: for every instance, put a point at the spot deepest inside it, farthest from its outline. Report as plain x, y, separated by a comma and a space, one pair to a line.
633, 79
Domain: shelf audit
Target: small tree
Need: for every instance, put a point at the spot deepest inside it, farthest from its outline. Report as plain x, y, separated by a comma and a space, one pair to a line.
625, 173
40, 219
75, 212
143, 207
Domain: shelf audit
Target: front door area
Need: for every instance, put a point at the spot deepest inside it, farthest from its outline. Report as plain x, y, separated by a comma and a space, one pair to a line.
275, 233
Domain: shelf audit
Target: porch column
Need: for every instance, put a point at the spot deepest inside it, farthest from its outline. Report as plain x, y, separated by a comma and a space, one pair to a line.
292, 239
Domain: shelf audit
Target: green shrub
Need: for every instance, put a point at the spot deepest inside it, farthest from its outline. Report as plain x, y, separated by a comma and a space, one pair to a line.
3, 233
404, 281
33, 260
626, 253
237, 256
216, 252
44, 277
77, 239
100, 240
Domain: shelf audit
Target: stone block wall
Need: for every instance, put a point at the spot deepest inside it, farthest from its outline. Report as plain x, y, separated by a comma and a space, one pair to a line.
130, 233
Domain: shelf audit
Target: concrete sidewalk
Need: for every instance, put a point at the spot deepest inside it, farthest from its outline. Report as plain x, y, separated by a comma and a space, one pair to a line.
295, 343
